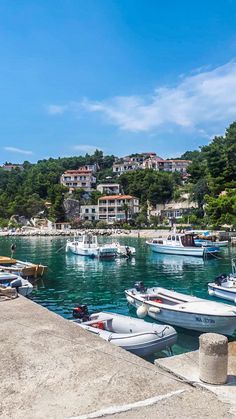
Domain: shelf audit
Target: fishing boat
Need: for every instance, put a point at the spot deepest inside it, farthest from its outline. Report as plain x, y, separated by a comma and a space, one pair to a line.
23, 269
224, 286
180, 244
182, 310
134, 335
124, 251
87, 245
22, 285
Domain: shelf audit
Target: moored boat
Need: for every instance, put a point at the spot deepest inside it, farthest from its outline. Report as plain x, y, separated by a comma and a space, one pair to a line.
224, 286
124, 251
134, 335
209, 243
22, 285
182, 310
23, 269
180, 244
87, 245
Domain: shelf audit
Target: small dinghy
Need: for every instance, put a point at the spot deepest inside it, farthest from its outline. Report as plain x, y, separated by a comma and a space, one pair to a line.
182, 310
124, 251
224, 286
134, 335
23, 286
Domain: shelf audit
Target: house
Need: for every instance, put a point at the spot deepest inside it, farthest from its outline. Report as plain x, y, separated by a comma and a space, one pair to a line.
81, 178
153, 162
131, 163
10, 167
174, 165
173, 209
89, 212
109, 188
115, 208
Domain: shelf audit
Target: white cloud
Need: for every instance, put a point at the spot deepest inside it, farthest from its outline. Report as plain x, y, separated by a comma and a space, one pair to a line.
204, 102
86, 148
18, 150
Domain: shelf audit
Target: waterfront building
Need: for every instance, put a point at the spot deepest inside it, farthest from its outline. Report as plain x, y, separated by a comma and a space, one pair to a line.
89, 212
113, 208
109, 188
173, 209
81, 178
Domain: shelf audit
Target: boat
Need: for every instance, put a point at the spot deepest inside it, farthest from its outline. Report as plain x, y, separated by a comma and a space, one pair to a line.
224, 286
177, 244
124, 251
22, 285
134, 335
23, 269
217, 243
87, 245
182, 310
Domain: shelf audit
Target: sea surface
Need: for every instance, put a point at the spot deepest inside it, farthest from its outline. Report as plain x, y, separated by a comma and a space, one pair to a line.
73, 280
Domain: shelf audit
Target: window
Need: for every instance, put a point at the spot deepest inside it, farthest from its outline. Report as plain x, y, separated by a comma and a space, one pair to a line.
86, 210
173, 237
93, 210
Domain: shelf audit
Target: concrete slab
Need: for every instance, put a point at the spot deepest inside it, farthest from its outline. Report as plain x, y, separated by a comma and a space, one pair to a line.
50, 368
185, 366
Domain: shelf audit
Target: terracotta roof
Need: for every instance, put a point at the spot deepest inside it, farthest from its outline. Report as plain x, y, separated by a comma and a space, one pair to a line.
111, 197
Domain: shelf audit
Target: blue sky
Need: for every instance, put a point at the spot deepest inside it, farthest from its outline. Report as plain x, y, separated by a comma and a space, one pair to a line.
118, 75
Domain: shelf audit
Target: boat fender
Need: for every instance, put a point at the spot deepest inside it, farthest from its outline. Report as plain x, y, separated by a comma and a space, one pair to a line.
142, 311
130, 300
211, 292
154, 310
235, 301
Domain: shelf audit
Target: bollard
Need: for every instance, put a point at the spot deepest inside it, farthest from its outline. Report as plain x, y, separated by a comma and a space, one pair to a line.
213, 358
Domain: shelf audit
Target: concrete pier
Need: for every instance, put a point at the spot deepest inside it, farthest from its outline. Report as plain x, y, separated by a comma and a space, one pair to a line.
50, 368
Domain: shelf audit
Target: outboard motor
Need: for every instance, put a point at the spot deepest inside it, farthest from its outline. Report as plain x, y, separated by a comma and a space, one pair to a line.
139, 286
128, 251
81, 312
16, 283
220, 279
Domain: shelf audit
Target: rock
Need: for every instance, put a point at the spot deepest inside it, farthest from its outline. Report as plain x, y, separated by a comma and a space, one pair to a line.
19, 219
7, 293
72, 208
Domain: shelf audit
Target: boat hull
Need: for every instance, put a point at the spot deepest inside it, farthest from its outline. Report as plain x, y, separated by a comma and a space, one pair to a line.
200, 322
171, 250
95, 252
221, 292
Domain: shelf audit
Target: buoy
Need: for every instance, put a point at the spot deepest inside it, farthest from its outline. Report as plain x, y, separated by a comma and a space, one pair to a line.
130, 300
142, 311
154, 310
211, 292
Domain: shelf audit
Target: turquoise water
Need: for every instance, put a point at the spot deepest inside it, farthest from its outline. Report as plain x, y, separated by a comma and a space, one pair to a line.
72, 280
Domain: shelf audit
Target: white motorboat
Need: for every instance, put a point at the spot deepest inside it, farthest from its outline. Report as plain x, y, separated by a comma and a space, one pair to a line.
134, 335
179, 244
182, 310
87, 245
124, 251
22, 285
224, 286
